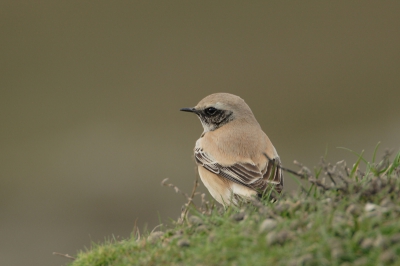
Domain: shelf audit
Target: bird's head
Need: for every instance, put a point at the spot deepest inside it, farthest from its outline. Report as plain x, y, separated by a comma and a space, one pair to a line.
218, 109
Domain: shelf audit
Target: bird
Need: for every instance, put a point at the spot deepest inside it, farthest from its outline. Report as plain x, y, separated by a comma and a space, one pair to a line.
236, 160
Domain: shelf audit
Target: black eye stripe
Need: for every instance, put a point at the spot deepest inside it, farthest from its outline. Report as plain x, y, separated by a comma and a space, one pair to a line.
215, 121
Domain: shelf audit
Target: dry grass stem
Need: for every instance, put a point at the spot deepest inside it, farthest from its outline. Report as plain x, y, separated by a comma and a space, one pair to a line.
64, 255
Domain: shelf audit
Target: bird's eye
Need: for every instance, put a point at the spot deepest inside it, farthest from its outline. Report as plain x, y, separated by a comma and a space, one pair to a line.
210, 111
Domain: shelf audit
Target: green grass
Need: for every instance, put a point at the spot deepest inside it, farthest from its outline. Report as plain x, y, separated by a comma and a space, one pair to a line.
355, 222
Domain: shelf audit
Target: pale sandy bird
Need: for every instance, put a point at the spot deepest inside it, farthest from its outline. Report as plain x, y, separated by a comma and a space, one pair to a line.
235, 157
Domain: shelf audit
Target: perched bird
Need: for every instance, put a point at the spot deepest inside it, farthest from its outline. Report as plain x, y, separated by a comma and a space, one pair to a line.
235, 157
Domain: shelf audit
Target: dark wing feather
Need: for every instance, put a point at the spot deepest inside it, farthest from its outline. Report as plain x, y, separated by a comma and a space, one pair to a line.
245, 174
273, 172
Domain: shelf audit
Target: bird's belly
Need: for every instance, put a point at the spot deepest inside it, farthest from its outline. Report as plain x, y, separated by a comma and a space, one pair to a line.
221, 189
242, 191
216, 185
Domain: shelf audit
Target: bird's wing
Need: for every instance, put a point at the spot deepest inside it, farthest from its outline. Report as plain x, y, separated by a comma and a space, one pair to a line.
243, 173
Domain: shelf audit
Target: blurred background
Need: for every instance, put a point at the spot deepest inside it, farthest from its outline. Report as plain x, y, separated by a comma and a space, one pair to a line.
90, 94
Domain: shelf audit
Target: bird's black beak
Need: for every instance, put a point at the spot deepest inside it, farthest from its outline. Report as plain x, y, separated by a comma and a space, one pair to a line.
189, 109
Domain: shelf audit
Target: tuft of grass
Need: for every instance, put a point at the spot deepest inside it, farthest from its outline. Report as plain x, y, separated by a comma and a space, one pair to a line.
343, 217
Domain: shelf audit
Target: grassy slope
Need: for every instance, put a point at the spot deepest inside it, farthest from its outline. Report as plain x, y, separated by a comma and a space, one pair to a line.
355, 222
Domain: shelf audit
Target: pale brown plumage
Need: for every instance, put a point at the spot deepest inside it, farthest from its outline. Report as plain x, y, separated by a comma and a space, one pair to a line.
235, 157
